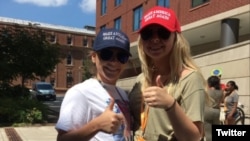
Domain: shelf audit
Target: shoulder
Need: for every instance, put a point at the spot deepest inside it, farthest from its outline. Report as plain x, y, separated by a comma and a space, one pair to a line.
139, 78
81, 84
235, 94
192, 75
84, 86
138, 81
219, 92
193, 81
136, 89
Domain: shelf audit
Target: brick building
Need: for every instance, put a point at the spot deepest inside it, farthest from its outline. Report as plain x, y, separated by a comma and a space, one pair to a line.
203, 22
218, 32
75, 44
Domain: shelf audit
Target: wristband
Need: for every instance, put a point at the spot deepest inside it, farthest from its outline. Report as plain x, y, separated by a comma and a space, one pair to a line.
169, 108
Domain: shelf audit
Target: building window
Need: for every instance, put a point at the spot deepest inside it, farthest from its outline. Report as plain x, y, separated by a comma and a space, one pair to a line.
85, 42
117, 23
52, 81
69, 40
93, 41
102, 27
137, 18
198, 2
69, 59
69, 78
118, 2
164, 3
53, 38
104, 7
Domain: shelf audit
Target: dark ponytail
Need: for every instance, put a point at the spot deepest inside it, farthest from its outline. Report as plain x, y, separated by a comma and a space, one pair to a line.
232, 83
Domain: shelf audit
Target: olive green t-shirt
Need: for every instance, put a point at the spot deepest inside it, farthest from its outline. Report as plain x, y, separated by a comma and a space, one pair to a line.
191, 95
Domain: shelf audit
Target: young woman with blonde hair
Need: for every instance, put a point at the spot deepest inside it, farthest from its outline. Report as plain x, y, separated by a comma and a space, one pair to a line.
170, 92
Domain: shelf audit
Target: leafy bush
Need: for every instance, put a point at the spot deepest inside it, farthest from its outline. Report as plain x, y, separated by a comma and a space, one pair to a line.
17, 107
31, 116
16, 91
22, 111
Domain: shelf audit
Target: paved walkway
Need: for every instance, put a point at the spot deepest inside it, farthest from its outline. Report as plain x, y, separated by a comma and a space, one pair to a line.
39, 133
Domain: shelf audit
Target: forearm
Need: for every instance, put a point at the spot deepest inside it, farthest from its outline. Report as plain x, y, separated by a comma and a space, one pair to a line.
83, 134
232, 111
184, 128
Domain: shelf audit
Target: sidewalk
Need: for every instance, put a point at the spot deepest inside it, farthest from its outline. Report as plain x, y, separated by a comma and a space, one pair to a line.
39, 133
36, 133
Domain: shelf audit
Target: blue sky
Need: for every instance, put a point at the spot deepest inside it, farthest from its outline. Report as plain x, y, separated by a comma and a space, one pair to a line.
72, 13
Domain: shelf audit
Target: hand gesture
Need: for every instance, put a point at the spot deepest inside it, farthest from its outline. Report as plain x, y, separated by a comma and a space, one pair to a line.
110, 121
157, 96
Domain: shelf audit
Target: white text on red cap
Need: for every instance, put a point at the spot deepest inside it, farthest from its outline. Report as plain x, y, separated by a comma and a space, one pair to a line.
158, 14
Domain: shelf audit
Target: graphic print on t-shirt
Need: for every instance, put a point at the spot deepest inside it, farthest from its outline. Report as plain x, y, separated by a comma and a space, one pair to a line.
123, 105
118, 136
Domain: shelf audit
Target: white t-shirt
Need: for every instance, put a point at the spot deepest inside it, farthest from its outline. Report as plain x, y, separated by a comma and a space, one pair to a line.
87, 100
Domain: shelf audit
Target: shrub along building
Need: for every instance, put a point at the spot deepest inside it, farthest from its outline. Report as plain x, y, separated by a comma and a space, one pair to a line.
74, 44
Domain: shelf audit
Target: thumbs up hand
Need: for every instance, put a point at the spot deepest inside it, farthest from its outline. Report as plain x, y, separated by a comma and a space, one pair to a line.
159, 82
109, 120
157, 96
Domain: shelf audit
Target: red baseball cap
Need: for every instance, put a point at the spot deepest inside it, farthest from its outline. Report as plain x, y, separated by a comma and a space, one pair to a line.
162, 16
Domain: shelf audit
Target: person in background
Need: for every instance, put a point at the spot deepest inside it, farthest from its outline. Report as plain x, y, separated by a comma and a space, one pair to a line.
212, 111
218, 72
168, 99
230, 102
96, 109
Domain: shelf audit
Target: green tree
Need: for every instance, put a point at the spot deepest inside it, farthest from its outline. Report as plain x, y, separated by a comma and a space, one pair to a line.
6, 64
26, 53
87, 66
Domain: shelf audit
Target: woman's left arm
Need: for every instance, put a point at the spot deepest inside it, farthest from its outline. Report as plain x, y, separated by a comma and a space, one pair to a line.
233, 109
235, 103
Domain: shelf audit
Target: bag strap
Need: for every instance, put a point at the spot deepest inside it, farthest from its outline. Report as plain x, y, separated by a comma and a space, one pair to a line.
144, 117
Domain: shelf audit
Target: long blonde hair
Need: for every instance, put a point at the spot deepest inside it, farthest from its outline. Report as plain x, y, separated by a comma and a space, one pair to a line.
180, 57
